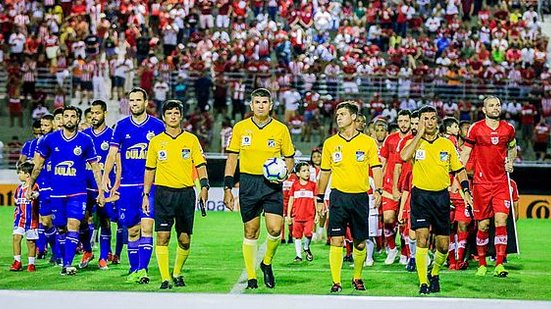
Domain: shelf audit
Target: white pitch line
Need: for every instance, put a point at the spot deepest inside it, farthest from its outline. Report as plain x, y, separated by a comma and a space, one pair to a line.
241, 284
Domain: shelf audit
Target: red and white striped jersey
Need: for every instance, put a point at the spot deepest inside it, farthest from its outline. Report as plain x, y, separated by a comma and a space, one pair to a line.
88, 70
29, 71
50, 40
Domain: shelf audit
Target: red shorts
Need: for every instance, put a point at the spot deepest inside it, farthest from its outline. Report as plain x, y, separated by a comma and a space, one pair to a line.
15, 109
390, 204
490, 199
460, 213
303, 228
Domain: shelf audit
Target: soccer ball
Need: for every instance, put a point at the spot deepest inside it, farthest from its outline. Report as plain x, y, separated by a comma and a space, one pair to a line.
275, 169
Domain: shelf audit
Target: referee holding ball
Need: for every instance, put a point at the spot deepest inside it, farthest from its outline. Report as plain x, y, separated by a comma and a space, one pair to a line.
171, 159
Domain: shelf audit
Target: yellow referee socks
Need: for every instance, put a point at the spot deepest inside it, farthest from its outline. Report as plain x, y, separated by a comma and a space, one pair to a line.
249, 255
181, 257
439, 259
421, 255
359, 259
271, 248
162, 260
335, 263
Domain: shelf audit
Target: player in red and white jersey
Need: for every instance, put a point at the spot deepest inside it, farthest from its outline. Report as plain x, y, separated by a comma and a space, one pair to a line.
301, 209
88, 70
389, 157
495, 145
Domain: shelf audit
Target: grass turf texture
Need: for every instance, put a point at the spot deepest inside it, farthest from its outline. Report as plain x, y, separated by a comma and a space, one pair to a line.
216, 263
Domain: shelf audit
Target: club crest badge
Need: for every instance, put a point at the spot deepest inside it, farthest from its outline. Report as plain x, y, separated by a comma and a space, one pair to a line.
77, 151
494, 140
104, 146
150, 135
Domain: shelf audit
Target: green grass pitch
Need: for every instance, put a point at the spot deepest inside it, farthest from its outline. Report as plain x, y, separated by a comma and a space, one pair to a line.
215, 265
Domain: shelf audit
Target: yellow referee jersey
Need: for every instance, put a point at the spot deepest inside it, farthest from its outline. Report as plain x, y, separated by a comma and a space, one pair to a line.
433, 162
349, 162
255, 145
174, 159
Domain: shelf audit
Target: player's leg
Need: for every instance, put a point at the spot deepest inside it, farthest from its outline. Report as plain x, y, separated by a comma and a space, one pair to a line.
439, 213
41, 244
163, 229
184, 217
463, 219
412, 240
50, 231
16, 245
336, 230
129, 217
104, 214
298, 230
482, 212
500, 242
146, 238
308, 233
358, 212
75, 212
32, 236
274, 220
420, 223
389, 217
85, 237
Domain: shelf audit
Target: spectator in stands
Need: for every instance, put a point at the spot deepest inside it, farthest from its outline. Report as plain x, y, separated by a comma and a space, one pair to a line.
203, 88
527, 122
225, 134
541, 139
13, 150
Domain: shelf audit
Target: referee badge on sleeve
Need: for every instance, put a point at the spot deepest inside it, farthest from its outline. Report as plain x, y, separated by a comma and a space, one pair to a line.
186, 153
162, 155
360, 156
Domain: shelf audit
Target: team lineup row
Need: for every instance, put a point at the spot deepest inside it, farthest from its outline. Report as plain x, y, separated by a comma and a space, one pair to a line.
151, 168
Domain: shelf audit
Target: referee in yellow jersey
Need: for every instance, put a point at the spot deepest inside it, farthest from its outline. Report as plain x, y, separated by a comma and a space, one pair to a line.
253, 141
171, 158
347, 157
434, 158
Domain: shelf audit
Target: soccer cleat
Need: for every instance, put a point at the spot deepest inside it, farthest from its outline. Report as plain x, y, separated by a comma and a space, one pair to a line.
40, 255
481, 271
462, 265
391, 256
31, 268
132, 277
290, 240
69, 271
424, 289
16, 266
102, 264
403, 260
165, 285
358, 284
269, 279
297, 259
115, 260
348, 259
452, 266
434, 284
500, 271
142, 276
179, 281
87, 257
336, 288
411, 265
309, 255
369, 262
252, 284
283, 241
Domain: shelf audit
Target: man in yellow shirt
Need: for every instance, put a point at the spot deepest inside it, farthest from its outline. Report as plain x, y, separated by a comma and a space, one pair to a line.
253, 141
434, 158
171, 160
348, 157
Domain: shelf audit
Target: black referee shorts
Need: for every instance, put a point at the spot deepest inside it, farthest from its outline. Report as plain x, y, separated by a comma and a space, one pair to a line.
430, 209
256, 194
174, 205
348, 209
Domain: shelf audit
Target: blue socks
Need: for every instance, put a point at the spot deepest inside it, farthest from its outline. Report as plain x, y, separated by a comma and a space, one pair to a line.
145, 249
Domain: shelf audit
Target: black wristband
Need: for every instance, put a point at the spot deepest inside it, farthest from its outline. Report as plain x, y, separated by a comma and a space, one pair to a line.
320, 198
145, 194
204, 183
379, 190
465, 186
228, 182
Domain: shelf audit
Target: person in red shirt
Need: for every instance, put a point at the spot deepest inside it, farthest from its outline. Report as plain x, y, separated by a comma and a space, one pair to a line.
494, 142
389, 158
541, 139
287, 184
527, 121
302, 211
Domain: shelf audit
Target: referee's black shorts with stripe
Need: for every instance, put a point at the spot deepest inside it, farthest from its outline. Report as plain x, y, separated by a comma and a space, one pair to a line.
348, 209
174, 205
256, 194
430, 209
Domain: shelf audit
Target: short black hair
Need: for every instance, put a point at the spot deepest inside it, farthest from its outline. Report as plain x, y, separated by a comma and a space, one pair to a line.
464, 122
392, 127
415, 114
58, 111
73, 108
261, 92
427, 109
404, 112
300, 165
36, 124
100, 103
48, 117
351, 106
26, 167
448, 121
139, 90
172, 104
87, 111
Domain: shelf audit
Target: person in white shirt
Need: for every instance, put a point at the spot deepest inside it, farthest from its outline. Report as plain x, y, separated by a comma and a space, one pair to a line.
322, 20
291, 100
160, 91
17, 43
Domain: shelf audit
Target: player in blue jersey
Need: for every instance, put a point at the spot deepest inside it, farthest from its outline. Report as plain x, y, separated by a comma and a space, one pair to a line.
68, 151
27, 151
131, 138
58, 118
101, 135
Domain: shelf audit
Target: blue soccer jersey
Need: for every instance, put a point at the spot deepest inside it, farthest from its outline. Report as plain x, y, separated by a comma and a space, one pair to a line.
132, 139
44, 179
101, 144
68, 158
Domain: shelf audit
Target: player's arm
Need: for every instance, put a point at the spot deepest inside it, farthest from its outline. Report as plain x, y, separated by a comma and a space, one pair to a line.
322, 186
403, 200
203, 182
96, 171
229, 171
395, 178
38, 165
289, 210
465, 188
109, 163
466, 153
118, 174
378, 179
511, 155
409, 150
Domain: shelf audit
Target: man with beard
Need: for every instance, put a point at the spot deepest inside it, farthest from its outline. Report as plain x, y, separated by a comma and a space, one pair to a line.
493, 141
389, 157
68, 151
131, 137
101, 135
434, 158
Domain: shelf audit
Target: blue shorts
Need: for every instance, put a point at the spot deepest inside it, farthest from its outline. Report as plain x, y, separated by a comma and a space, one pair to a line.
119, 81
45, 208
63, 208
130, 205
108, 211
